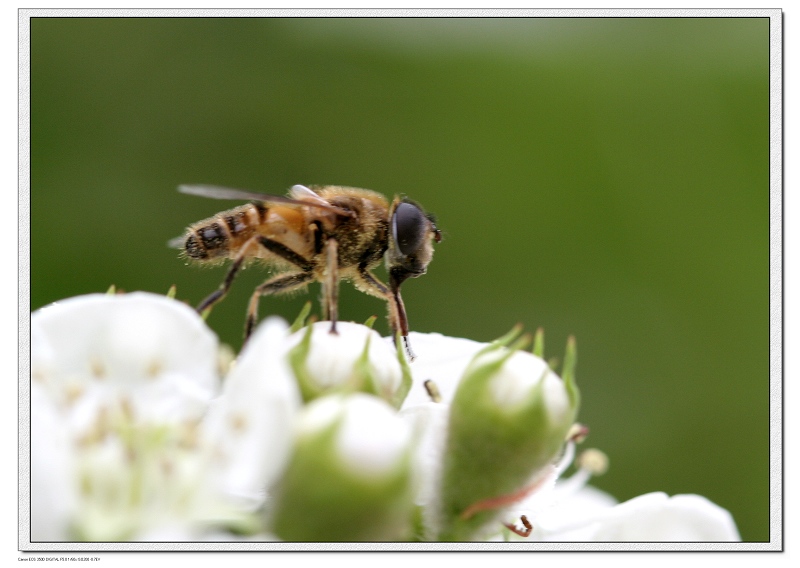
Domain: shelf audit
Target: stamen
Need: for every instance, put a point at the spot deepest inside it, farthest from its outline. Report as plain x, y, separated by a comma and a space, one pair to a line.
73, 392
97, 368
590, 462
593, 460
572, 484
167, 467
238, 422
433, 391
154, 368
190, 434
577, 433
566, 459
126, 408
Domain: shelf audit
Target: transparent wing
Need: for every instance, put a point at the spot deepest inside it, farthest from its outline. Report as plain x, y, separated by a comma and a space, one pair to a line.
299, 191
219, 192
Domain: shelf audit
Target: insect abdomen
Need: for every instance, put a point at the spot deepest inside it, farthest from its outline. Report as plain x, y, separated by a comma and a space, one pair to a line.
216, 237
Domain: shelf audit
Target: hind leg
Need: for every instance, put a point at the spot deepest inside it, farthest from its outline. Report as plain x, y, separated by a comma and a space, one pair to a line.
277, 285
280, 283
218, 294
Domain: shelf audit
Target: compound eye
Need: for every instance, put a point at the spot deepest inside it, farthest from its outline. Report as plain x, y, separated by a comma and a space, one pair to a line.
409, 228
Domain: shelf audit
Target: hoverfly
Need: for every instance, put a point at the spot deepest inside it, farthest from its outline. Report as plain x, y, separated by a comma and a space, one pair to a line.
323, 233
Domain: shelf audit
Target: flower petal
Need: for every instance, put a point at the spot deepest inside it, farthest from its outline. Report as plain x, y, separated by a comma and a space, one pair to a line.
429, 427
655, 517
154, 352
440, 359
53, 494
250, 425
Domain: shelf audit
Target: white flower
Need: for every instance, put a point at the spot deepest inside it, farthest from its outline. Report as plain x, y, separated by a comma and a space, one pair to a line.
119, 384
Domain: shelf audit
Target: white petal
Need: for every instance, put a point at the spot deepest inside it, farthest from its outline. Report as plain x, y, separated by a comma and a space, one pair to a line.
429, 426
440, 359
175, 395
53, 493
655, 517
251, 425
555, 510
142, 347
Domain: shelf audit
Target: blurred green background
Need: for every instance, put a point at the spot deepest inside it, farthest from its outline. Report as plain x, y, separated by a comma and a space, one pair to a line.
606, 178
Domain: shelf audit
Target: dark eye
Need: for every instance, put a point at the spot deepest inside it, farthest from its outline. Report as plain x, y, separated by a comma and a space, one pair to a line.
409, 227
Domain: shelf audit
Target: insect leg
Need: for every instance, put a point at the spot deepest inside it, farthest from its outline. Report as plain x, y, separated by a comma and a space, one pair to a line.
276, 285
397, 311
220, 292
368, 284
331, 283
280, 283
398, 321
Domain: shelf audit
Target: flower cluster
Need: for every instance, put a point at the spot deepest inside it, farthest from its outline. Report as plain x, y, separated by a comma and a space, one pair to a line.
143, 429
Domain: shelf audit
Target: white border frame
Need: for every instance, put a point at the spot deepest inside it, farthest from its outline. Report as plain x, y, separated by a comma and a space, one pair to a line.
776, 284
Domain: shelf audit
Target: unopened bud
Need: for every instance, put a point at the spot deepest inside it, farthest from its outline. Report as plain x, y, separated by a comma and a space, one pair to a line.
356, 359
349, 478
508, 421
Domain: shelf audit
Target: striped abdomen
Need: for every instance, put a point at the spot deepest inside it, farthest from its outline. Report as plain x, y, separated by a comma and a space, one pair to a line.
218, 236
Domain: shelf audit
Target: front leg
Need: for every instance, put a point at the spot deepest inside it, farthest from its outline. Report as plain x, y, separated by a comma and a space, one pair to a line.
397, 311
398, 321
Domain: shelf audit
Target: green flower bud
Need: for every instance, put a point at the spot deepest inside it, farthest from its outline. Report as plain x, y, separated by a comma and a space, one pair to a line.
355, 359
507, 424
349, 478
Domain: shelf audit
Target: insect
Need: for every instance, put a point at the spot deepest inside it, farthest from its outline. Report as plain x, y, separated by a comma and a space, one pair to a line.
324, 234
